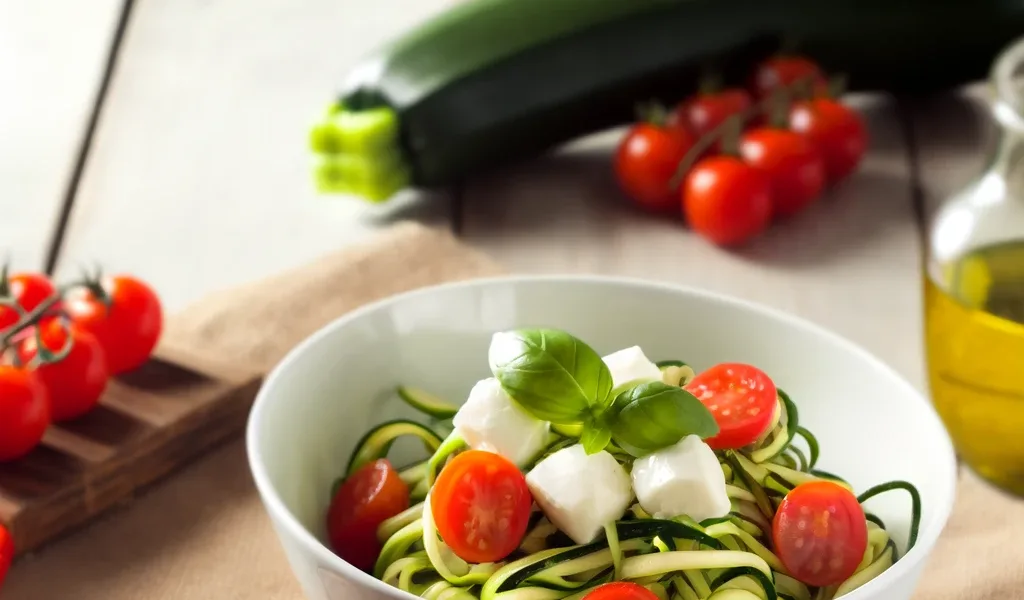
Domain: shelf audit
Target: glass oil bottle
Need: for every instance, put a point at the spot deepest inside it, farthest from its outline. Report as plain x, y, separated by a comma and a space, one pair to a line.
974, 297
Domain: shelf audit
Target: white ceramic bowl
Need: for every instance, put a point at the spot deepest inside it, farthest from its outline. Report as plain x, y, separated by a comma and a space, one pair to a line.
872, 425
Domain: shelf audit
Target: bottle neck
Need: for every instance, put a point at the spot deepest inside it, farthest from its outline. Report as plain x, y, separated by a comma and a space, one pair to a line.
1010, 144
1006, 163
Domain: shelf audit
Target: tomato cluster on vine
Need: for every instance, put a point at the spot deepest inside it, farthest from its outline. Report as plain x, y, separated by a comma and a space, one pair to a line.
733, 160
59, 347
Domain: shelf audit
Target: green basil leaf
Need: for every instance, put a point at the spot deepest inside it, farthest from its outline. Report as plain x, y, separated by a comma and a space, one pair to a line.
553, 375
654, 415
595, 438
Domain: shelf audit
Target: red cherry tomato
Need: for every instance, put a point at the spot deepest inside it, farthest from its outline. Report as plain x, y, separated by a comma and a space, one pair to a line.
645, 162
129, 330
740, 397
24, 412
704, 112
837, 130
367, 498
819, 533
6, 552
792, 163
621, 590
780, 71
481, 505
726, 201
76, 382
29, 290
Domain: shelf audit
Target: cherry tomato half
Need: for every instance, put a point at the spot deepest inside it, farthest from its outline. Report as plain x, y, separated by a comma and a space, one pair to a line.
621, 590
645, 162
24, 412
819, 533
781, 71
367, 498
703, 112
740, 397
76, 382
726, 200
481, 505
837, 130
6, 552
129, 330
29, 290
792, 163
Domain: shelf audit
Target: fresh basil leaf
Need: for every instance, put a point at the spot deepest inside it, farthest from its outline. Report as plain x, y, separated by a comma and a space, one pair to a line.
551, 374
595, 438
654, 415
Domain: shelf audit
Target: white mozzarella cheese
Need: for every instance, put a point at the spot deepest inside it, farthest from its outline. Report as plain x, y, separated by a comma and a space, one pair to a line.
683, 479
629, 365
490, 420
580, 493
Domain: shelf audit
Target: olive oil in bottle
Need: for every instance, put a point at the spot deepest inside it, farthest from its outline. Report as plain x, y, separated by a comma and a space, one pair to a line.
974, 324
974, 296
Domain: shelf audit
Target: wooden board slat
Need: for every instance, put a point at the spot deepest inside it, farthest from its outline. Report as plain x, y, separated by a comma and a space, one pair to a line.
850, 263
200, 176
86, 466
52, 57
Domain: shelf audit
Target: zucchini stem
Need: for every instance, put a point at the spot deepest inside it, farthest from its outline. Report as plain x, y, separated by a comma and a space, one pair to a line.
360, 153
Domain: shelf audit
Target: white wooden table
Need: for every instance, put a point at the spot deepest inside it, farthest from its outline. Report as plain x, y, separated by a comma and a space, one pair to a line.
197, 175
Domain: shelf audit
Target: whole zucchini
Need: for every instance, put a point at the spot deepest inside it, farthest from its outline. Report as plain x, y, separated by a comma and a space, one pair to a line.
494, 81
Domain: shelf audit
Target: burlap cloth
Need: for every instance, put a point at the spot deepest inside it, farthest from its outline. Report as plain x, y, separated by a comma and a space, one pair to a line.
202, 534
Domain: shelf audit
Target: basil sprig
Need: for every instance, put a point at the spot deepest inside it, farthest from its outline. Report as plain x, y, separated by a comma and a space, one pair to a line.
553, 375
558, 378
653, 415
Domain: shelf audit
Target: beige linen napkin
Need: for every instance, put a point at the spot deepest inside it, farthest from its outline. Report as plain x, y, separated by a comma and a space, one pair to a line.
202, 534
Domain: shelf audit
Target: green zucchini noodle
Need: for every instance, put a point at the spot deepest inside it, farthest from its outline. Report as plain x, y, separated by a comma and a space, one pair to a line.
729, 558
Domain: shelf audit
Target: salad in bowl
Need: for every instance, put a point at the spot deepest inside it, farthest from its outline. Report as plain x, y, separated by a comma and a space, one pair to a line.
570, 475
553, 437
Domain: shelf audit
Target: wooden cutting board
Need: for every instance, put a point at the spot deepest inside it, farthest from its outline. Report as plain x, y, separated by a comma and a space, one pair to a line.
149, 422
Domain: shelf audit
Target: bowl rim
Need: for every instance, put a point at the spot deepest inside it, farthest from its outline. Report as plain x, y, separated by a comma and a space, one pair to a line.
284, 518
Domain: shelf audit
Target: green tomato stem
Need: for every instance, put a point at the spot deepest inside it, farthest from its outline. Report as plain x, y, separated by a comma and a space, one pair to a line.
743, 118
28, 320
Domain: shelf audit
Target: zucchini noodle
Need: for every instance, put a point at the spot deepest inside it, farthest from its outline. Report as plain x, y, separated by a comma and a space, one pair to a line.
728, 558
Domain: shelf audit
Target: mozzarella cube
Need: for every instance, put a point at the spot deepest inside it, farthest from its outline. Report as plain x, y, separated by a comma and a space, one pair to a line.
631, 365
683, 479
490, 420
580, 493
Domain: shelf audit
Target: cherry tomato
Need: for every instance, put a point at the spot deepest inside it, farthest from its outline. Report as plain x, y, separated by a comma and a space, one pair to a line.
24, 412
621, 590
837, 130
819, 533
704, 112
76, 382
785, 71
6, 552
740, 397
29, 290
367, 498
793, 164
726, 200
481, 505
645, 162
129, 330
